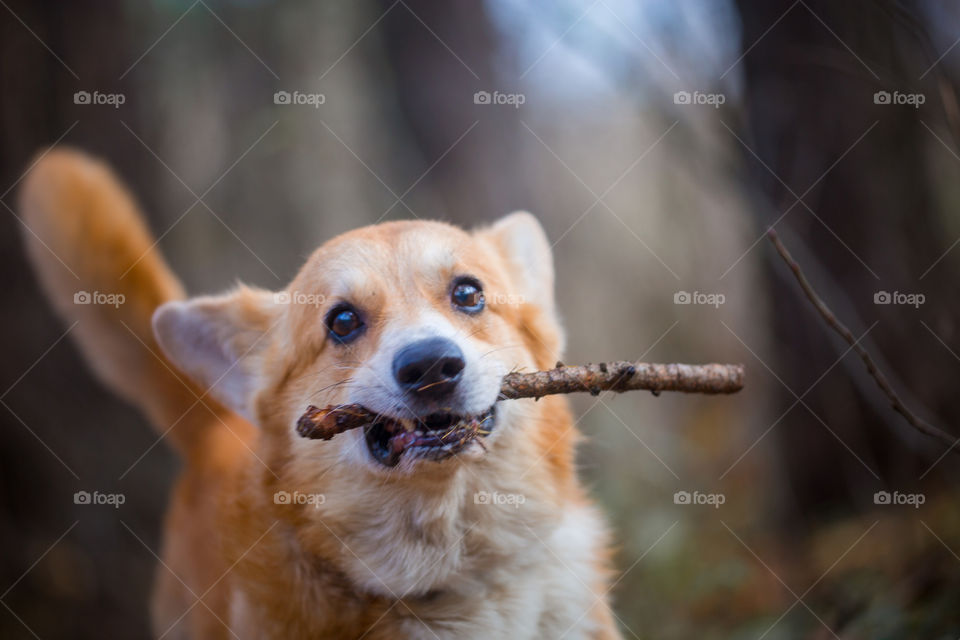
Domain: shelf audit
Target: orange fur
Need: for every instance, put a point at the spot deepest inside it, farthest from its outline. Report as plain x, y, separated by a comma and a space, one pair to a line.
401, 553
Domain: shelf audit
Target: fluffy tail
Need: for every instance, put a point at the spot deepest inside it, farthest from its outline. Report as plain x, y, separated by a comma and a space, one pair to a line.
99, 266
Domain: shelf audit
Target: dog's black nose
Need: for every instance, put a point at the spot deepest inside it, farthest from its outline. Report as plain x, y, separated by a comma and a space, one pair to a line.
429, 368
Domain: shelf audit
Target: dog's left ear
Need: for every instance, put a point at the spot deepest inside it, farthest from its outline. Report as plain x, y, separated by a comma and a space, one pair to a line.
219, 341
523, 242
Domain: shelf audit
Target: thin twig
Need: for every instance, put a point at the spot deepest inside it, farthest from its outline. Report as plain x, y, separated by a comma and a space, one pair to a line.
835, 324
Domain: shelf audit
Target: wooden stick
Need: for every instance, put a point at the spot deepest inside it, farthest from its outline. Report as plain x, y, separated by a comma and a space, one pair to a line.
624, 376
323, 424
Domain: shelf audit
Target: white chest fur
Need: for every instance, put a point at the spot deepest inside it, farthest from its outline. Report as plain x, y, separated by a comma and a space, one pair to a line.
476, 562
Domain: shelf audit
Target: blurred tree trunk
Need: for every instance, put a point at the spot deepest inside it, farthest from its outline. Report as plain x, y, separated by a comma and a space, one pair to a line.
441, 110
96, 580
807, 101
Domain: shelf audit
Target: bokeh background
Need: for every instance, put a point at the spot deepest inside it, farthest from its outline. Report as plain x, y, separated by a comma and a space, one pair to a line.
644, 195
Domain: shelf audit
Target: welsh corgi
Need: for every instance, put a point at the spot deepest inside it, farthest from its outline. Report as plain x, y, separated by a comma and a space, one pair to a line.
387, 532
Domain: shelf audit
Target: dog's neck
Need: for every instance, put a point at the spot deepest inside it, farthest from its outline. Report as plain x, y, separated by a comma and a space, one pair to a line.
450, 532
417, 534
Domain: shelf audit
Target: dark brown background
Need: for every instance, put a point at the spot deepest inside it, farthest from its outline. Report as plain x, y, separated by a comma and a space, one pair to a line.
691, 190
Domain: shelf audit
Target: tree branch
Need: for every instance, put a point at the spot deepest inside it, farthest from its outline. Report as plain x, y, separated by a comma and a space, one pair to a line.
624, 376
847, 335
323, 424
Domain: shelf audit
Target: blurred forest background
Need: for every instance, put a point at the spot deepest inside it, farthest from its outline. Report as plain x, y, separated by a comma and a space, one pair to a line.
644, 194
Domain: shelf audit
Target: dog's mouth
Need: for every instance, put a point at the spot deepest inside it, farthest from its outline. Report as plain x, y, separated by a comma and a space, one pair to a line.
433, 437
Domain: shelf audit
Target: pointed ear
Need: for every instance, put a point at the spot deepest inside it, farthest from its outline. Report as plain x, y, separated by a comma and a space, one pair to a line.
216, 340
523, 242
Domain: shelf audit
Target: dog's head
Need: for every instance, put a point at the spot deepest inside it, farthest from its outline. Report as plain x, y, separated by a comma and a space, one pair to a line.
415, 321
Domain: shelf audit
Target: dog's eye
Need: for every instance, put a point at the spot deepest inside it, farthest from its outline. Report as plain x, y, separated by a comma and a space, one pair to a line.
344, 323
467, 296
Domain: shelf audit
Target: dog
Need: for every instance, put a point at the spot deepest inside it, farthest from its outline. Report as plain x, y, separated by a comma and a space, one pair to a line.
385, 532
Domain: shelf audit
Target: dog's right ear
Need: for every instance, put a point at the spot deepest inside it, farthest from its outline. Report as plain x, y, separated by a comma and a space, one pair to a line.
524, 244
218, 341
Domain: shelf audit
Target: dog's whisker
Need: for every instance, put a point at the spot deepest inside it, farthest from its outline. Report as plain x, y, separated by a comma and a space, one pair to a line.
331, 387
509, 346
430, 385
